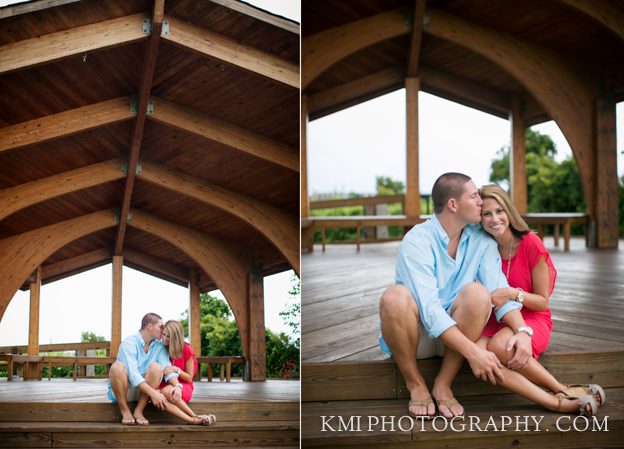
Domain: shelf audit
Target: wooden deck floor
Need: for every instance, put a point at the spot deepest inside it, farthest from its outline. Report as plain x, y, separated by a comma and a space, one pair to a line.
341, 290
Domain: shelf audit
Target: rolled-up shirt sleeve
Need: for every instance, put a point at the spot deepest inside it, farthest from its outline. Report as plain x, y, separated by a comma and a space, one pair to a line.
416, 270
492, 277
128, 354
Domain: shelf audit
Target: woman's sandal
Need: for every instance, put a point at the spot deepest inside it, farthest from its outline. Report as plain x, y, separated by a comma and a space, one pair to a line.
584, 401
205, 420
577, 391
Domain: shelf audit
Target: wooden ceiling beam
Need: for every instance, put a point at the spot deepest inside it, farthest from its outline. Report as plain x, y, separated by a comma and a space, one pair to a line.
24, 195
322, 50
259, 14
606, 12
223, 132
223, 262
68, 267
75, 41
565, 92
149, 64
349, 94
65, 123
281, 229
21, 254
221, 47
465, 92
155, 267
416, 38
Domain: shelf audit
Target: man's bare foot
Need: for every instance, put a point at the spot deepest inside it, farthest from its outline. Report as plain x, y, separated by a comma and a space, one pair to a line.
447, 404
421, 403
127, 419
140, 420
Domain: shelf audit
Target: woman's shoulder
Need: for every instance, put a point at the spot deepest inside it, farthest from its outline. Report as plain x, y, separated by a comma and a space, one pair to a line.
187, 349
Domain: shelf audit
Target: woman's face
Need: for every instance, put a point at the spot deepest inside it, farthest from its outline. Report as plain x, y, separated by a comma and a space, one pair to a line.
493, 218
165, 336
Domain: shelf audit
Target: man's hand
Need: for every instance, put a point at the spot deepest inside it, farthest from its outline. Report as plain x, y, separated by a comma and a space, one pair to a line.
159, 400
522, 356
176, 394
486, 366
501, 295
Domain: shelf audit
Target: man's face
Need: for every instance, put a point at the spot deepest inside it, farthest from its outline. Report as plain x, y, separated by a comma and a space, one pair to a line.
469, 204
156, 330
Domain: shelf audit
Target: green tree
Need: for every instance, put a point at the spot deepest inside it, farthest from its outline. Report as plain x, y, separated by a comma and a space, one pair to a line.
292, 314
388, 186
551, 186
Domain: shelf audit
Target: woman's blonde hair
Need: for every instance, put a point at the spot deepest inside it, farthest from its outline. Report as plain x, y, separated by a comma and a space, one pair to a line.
516, 222
176, 339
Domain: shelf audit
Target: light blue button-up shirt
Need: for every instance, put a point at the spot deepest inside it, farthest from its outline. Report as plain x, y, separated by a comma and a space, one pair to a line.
136, 360
435, 278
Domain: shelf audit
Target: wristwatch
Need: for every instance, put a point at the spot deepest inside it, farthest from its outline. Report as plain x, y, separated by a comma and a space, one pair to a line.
520, 297
180, 385
526, 329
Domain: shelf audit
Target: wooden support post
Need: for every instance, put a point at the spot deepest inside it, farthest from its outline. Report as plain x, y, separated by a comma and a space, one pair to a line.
357, 236
323, 236
517, 157
195, 318
305, 199
606, 186
116, 306
33, 370
412, 195
257, 338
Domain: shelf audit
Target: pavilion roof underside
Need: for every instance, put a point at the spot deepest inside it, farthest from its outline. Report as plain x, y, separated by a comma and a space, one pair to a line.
453, 71
220, 124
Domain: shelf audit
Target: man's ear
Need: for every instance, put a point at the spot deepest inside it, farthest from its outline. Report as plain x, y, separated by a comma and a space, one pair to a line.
452, 205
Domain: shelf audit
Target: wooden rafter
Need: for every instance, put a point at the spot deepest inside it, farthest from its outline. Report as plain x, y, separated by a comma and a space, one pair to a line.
226, 266
65, 123
21, 196
64, 268
212, 44
322, 50
155, 266
62, 44
223, 132
606, 12
256, 13
149, 64
559, 86
351, 93
21, 254
25, 8
416, 38
281, 229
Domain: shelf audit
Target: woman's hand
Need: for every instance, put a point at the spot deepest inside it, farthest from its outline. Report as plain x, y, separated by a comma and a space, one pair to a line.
171, 369
501, 295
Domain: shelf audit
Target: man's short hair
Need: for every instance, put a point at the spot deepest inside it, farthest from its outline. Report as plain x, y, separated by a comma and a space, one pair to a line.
447, 186
150, 318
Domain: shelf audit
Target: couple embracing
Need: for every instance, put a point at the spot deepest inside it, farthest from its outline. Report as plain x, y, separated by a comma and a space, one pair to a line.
156, 365
473, 283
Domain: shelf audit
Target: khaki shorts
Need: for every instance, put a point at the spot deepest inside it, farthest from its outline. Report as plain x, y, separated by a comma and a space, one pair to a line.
133, 394
427, 347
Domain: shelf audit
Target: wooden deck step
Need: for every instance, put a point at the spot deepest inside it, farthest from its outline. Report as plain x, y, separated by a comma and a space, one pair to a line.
553, 431
382, 380
46, 412
222, 434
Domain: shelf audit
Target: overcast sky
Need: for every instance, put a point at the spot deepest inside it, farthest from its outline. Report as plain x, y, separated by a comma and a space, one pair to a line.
348, 149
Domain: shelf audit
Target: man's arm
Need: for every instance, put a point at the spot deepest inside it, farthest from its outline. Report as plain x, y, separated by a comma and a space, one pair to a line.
171, 377
128, 356
520, 340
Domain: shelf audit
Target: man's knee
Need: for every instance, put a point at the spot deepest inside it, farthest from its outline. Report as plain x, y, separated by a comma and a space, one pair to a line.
118, 369
155, 369
476, 297
397, 299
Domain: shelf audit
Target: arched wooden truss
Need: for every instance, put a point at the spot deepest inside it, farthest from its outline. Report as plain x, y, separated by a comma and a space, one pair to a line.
526, 75
148, 134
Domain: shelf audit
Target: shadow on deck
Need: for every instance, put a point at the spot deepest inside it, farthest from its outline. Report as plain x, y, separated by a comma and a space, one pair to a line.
63, 413
346, 375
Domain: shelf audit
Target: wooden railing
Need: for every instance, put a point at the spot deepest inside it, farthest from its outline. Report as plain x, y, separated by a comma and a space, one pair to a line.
225, 366
370, 219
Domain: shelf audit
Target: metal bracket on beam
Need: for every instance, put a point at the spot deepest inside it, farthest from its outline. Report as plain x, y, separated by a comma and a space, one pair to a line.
427, 20
124, 167
150, 107
117, 218
147, 27
129, 217
138, 169
134, 106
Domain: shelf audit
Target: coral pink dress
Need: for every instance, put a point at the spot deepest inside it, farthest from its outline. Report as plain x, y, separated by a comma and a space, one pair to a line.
187, 387
530, 250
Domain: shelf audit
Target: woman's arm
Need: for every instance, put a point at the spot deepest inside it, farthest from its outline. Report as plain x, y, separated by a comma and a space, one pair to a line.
538, 300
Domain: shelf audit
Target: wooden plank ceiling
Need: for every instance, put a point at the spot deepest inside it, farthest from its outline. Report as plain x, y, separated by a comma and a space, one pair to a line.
588, 34
196, 124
